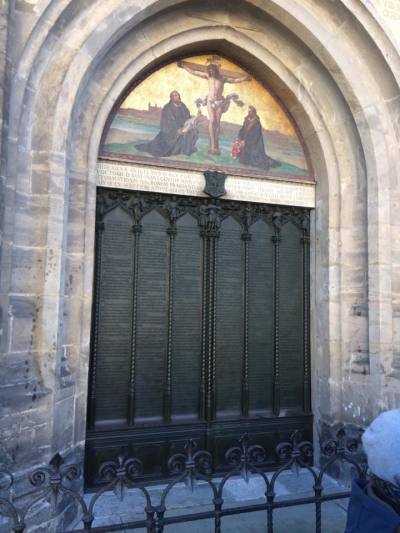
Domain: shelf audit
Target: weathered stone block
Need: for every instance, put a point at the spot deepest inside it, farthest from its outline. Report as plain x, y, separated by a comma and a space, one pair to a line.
30, 220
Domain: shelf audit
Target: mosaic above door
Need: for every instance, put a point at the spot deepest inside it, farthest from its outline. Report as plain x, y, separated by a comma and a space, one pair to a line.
205, 112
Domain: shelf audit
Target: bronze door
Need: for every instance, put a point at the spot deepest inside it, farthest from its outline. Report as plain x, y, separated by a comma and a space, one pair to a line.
200, 328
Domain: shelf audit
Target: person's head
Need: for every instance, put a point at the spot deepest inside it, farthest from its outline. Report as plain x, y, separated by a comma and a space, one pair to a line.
252, 111
213, 70
381, 443
175, 97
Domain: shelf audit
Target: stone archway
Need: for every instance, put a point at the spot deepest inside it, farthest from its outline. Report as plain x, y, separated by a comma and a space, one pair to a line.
75, 64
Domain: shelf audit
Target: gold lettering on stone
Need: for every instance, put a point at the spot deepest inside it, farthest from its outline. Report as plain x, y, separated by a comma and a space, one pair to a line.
189, 183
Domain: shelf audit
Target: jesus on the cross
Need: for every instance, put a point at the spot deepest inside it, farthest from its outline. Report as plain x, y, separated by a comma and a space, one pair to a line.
216, 102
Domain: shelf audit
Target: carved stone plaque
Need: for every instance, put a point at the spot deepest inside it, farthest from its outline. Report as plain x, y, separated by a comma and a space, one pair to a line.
189, 183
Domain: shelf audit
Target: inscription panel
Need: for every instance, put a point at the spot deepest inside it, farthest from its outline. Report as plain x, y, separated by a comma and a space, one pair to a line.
186, 342
151, 332
114, 319
291, 316
229, 320
189, 183
261, 318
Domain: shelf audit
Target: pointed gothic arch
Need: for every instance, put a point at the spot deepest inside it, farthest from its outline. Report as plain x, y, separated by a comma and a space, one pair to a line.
66, 81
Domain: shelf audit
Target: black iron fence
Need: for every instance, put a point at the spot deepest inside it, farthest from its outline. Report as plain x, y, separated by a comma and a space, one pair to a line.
54, 483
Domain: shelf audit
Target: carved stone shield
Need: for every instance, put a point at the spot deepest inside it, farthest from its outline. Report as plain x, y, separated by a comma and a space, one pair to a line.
215, 183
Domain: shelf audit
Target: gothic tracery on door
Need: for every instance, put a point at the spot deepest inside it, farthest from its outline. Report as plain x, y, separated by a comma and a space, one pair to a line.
200, 327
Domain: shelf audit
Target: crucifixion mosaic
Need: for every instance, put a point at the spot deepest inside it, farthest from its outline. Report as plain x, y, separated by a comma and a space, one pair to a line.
202, 113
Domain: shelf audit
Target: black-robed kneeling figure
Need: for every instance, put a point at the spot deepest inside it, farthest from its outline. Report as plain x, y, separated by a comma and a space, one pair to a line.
176, 135
252, 149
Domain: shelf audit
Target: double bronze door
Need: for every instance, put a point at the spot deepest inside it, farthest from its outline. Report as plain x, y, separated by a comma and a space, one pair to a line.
200, 328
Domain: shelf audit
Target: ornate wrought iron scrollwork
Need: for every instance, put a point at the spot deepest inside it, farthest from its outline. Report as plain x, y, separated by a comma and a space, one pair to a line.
296, 449
203, 462
177, 464
122, 468
244, 459
52, 476
118, 474
257, 454
246, 456
341, 444
233, 456
199, 461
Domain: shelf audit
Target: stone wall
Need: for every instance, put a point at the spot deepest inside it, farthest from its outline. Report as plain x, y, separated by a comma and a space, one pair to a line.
335, 66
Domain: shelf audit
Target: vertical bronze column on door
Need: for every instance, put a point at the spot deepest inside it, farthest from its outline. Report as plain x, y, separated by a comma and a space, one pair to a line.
305, 240
216, 222
277, 222
136, 210
96, 312
204, 313
210, 222
246, 237
171, 230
